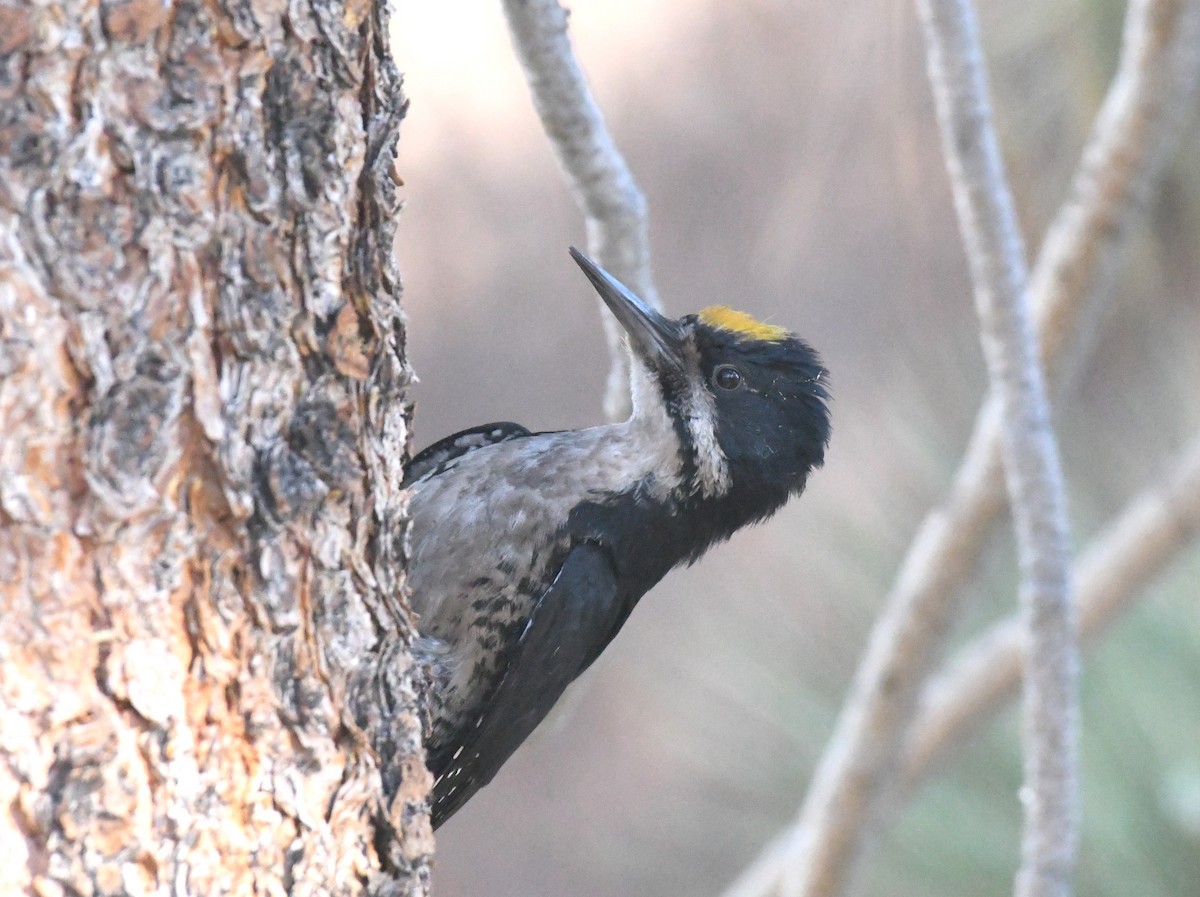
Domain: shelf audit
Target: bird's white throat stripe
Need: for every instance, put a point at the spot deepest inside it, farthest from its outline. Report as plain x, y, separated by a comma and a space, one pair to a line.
700, 418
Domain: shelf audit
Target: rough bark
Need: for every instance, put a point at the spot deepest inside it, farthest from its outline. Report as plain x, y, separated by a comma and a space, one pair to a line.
204, 677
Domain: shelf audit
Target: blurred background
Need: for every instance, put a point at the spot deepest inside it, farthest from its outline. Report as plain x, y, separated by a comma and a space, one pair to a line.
790, 160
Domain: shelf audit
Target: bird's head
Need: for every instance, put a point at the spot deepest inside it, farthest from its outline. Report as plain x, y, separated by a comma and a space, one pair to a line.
747, 400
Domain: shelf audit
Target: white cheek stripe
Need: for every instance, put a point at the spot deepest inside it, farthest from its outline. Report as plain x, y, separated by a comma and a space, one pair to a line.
712, 468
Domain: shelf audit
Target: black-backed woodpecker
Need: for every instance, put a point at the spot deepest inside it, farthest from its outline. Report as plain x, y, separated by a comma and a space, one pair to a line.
529, 550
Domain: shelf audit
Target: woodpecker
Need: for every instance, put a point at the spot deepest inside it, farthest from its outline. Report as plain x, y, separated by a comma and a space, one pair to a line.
529, 550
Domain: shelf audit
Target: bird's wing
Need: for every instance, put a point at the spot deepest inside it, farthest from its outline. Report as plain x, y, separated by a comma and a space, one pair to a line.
576, 617
444, 450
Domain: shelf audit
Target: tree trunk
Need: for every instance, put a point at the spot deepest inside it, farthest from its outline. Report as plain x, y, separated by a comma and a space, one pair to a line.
206, 686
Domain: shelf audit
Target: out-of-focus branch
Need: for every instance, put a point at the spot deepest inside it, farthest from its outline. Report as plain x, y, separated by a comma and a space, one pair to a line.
855, 775
988, 222
1110, 574
1135, 133
1113, 570
600, 181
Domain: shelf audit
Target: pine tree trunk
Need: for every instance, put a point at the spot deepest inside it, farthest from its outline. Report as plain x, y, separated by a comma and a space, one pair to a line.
205, 686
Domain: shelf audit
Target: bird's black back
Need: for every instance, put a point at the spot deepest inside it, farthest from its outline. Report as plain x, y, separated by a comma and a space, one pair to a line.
435, 458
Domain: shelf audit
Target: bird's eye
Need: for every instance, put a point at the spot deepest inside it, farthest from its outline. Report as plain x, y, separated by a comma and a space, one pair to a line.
727, 377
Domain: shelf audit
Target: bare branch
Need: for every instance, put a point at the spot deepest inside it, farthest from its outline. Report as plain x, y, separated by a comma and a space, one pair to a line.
1109, 575
763, 876
988, 222
1135, 133
600, 181
854, 777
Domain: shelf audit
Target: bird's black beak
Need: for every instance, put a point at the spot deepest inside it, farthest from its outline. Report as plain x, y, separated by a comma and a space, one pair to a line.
654, 337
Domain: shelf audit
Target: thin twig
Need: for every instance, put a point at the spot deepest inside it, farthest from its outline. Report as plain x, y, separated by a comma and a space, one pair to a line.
988, 222
1135, 133
1115, 568
1110, 574
855, 775
600, 181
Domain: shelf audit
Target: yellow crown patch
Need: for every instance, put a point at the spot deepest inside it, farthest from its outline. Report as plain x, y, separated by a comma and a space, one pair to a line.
721, 317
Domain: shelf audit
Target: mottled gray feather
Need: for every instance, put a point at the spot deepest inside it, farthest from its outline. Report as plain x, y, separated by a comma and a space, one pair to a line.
572, 621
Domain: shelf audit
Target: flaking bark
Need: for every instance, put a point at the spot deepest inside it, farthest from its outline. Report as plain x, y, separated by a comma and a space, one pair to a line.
204, 677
